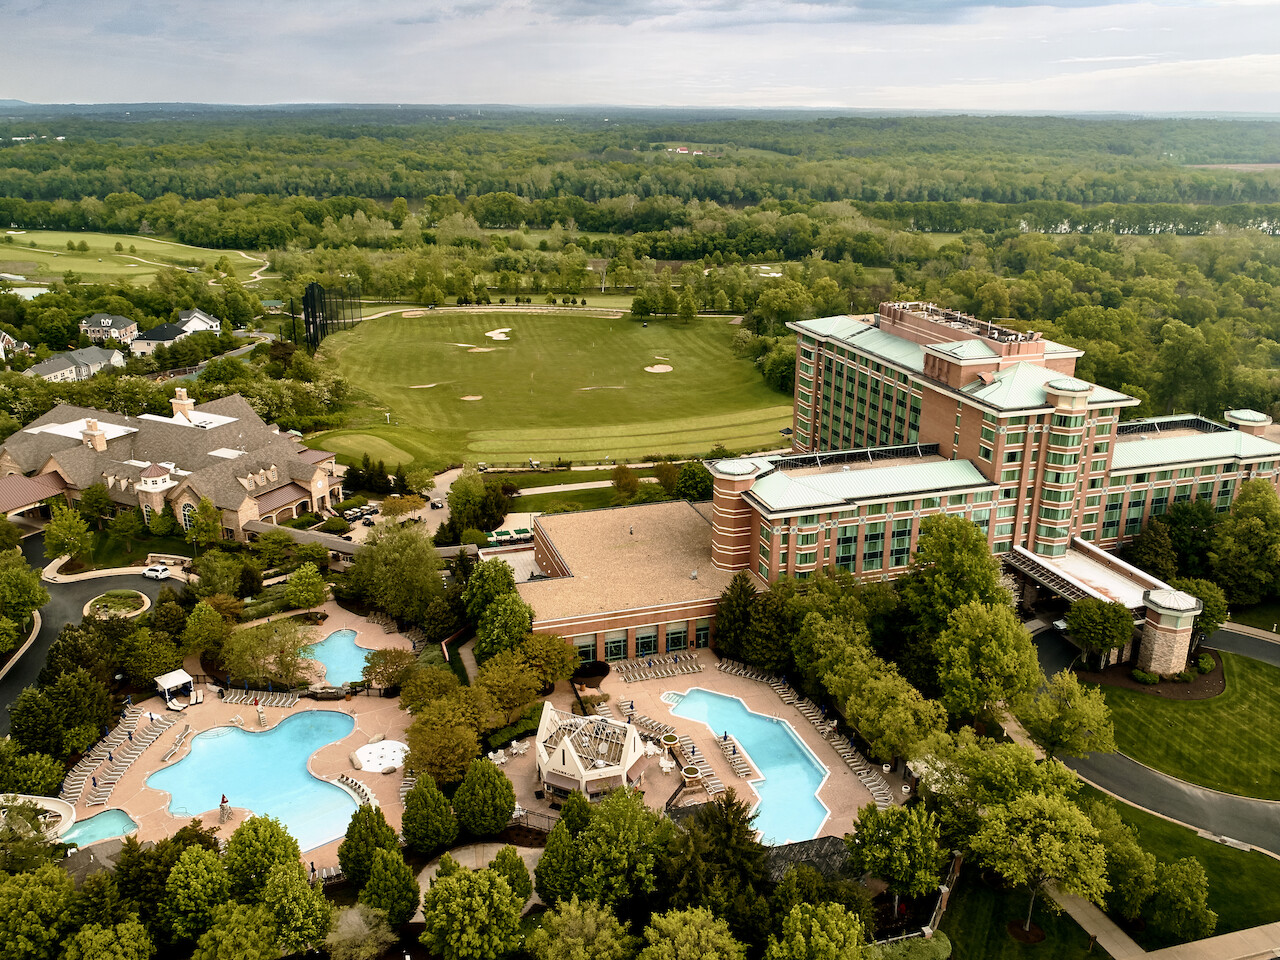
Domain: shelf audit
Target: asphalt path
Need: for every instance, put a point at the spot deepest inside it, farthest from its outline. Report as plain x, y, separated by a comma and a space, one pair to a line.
66, 605
1256, 822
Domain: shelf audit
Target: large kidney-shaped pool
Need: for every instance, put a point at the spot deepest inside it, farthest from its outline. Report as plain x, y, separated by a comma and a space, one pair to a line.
265, 772
789, 809
343, 661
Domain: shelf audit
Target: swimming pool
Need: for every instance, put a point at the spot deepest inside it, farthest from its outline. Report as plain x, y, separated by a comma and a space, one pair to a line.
789, 809
102, 826
343, 660
265, 772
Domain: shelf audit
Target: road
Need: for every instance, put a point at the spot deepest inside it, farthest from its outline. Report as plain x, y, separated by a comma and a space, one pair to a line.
1255, 822
66, 605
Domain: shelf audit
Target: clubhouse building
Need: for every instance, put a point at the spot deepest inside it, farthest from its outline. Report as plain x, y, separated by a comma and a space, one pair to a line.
899, 415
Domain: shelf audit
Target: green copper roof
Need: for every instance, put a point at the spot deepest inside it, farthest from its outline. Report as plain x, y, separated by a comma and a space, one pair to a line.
789, 492
1022, 387
1145, 450
966, 350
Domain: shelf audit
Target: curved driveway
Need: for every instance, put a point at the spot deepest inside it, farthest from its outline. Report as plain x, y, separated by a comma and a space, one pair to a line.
1256, 822
66, 605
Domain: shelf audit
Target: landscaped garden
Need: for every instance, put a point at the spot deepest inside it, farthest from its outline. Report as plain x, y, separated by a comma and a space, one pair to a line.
979, 913
550, 386
1229, 743
116, 603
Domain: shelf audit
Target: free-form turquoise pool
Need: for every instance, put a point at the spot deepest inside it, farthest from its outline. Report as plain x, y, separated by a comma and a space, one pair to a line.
343, 660
266, 773
103, 826
789, 809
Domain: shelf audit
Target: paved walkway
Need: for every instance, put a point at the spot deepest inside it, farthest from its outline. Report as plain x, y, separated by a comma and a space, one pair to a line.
477, 856
1118, 944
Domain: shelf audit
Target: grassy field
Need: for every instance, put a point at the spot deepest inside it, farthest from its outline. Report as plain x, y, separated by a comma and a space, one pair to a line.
978, 914
1264, 616
562, 386
1230, 743
1244, 886
49, 259
587, 499
528, 481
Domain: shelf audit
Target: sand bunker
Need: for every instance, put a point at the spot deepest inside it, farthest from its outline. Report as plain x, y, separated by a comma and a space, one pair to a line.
423, 386
452, 344
471, 398
15, 233
601, 388
499, 334
658, 368
482, 350
410, 314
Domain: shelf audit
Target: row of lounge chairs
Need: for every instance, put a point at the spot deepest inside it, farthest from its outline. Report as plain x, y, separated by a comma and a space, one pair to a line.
604, 710
737, 759
359, 789
79, 775
659, 671
651, 728
692, 757
263, 697
861, 767
177, 744
327, 875
123, 759
407, 783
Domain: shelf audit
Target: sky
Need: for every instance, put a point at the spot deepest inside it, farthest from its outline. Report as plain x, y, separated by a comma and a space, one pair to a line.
1164, 56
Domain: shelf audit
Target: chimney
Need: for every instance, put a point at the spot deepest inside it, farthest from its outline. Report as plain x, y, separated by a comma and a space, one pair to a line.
93, 436
182, 407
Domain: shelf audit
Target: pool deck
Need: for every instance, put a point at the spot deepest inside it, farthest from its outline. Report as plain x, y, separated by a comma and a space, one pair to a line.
374, 717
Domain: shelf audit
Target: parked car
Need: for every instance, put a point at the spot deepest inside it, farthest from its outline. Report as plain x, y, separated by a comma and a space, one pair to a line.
437, 504
367, 521
157, 571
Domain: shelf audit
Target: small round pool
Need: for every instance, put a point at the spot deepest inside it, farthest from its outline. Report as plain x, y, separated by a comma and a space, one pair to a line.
103, 826
343, 661
265, 772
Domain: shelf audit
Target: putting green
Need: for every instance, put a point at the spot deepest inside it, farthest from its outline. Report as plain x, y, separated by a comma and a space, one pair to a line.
557, 386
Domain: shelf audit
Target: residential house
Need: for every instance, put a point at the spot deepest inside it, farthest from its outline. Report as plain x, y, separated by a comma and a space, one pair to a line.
165, 335
109, 326
75, 365
197, 321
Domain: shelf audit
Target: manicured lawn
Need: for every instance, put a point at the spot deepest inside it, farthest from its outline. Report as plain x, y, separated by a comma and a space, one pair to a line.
977, 916
1264, 616
527, 481
1230, 743
113, 553
563, 386
1244, 886
587, 499
50, 258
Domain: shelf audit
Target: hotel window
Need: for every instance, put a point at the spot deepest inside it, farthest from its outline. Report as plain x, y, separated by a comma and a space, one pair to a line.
1059, 420
1164, 475
1093, 500
1209, 470
763, 570
876, 510
1205, 491
1015, 456
984, 453
1102, 447
1002, 547
646, 641
146, 514
1090, 519
702, 634
1046, 532
1064, 440
765, 553
808, 558
1014, 439
1182, 493
1101, 429
982, 518
988, 435
586, 647
1010, 476
986, 496
677, 636
930, 503
188, 515
1051, 549
1111, 516
1224, 495
1057, 496
806, 539
1059, 476
873, 546
903, 505
955, 499
1004, 529
1097, 466
615, 645
900, 544
847, 548
1186, 473
1063, 459
1159, 501
1133, 516
1055, 514
1006, 513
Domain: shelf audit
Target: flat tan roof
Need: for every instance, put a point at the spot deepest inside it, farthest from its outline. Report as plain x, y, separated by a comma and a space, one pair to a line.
623, 558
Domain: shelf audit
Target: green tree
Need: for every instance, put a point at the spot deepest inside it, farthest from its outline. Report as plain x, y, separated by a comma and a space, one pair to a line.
164, 523
485, 800
1212, 598
359, 933
1152, 550
735, 615
688, 310
582, 930
1179, 905
306, 588
692, 934
825, 931
300, 910
888, 711
666, 473
489, 580
503, 626
575, 812
197, 886
557, 871
1067, 718
466, 499
985, 656
205, 526
1131, 870
239, 932
618, 850
397, 570
205, 629
471, 916
507, 683
33, 911
1036, 840
389, 668
21, 591
1191, 527
694, 482
122, 941
273, 547
626, 483
66, 533
510, 864
900, 845
428, 824
548, 658
442, 741
257, 845
367, 832
271, 650
1245, 554
392, 887
96, 504
125, 527
35, 774
952, 566
10, 535
30, 723
1098, 626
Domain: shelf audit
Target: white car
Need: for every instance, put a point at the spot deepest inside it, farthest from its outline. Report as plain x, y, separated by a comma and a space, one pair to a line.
156, 571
